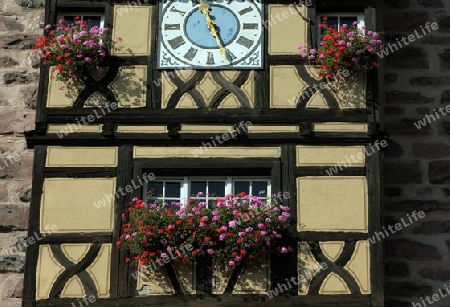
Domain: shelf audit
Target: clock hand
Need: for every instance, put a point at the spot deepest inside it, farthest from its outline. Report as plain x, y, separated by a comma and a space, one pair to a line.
211, 24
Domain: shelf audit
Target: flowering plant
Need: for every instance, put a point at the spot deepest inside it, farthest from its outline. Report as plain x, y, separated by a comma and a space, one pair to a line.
346, 48
73, 49
236, 229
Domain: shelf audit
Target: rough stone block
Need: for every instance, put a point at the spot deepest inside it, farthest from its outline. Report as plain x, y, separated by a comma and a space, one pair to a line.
440, 274
411, 250
407, 289
433, 227
406, 57
438, 172
13, 217
396, 20
397, 4
13, 122
431, 150
20, 78
13, 286
402, 173
407, 98
407, 127
397, 269
7, 62
431, 3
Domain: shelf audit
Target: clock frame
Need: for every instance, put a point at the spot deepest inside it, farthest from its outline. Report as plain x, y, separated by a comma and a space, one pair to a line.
185, 42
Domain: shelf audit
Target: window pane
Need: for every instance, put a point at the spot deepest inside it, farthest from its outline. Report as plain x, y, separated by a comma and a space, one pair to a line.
348, 20
241, 186
331, 22
196, 187
216, 188
70, 20
173, 189
92, 21
172, 203
259, 186
158, 188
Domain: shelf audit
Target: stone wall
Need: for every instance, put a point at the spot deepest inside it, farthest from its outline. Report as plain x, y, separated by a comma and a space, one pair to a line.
20, 24
417, 167
417, 164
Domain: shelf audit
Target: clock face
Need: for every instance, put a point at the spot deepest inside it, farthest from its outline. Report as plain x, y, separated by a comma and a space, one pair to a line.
185, 41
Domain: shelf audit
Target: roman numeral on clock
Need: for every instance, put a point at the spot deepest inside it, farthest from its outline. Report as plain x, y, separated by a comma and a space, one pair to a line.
173, 26
250, 26
245, 11
245, 42
174, 9
230, 55
210, 58
176, 42
190, 55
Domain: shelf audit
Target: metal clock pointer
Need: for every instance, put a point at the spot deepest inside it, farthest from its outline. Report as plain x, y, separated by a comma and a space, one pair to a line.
211, 24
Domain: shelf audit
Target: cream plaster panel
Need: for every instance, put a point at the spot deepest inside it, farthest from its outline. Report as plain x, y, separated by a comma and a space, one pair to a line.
141, 129
60, 94
187, 152
185, 74
73, 288
133, 24
332, 203
359, 266
48, 269
220, 281
186, 128
334, 284
287, 29
307, 267
130, 86
73, 128
272, 129
69, 203
252, 280
100, 270
329, 155
186, 276
75, 252
96, 100
340, 127
285, 86
208, 87
231, 75
230, 102
186, 102
349, 92
92, 156
153, 282
332, 249
317, 101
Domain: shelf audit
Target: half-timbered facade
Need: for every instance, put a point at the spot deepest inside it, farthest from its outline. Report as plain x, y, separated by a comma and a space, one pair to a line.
263, 123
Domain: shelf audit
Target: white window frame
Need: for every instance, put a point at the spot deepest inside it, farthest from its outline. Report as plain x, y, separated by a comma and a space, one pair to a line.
82, 16
229, 180
359, 16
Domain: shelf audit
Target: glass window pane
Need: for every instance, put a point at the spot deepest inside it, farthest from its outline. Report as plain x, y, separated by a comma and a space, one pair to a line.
216, 188
241, 186
259, 188
196, 187
70, 20
173, 189
92, 21
172, 203
348, 20
158, 188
